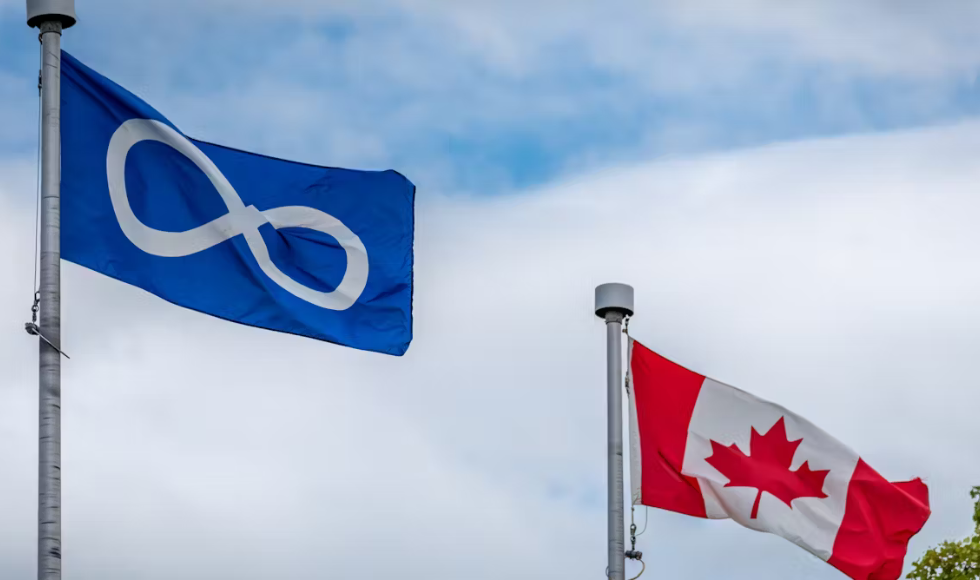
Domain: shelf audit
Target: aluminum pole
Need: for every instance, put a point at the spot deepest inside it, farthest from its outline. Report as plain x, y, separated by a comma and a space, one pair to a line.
49, 451
614, 476
613, 303
50, 17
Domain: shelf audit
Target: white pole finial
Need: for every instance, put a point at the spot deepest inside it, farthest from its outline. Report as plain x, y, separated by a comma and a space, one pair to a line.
40, 11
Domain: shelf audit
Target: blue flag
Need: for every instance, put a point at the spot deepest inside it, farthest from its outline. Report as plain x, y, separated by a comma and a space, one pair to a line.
315, 251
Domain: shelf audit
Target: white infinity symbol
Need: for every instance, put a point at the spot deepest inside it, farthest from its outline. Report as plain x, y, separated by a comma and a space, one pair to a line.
240, 219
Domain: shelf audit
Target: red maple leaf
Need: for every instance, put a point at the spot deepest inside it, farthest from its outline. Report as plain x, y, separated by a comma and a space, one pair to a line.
767, 467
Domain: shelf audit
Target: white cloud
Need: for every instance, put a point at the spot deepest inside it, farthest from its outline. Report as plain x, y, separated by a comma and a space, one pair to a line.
890, 38
376, 83
880, 37
835, 277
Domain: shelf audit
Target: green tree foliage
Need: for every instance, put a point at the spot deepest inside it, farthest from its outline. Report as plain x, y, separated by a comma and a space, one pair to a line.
953, 560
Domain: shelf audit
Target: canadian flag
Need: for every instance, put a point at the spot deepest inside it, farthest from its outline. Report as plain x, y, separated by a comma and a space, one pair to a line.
706, 449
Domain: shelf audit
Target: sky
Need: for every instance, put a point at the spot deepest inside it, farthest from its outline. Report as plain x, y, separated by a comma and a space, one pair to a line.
787, 185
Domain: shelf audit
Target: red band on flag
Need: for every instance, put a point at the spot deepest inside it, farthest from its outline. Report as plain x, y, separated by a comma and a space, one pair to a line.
880, 519
665, 395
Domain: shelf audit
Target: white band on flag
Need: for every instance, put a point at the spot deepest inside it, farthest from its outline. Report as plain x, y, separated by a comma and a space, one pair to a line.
240, 219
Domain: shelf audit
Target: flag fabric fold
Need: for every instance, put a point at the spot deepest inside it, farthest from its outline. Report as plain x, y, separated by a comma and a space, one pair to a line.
703, 448
316, 251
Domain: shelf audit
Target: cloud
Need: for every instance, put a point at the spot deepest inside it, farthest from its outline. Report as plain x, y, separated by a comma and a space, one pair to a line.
878, 37
498, 96
832, 276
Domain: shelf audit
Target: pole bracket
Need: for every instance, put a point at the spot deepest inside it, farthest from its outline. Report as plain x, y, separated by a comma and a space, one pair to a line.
33, 330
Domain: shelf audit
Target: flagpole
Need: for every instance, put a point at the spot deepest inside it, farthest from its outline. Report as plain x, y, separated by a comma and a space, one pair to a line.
614, 302
50, 17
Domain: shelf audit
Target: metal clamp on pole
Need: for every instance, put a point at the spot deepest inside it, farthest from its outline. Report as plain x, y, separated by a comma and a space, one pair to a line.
33, 330
613, 303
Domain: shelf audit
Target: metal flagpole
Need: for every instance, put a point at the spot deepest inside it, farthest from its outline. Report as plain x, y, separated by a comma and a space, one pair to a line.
50, 17
613, 302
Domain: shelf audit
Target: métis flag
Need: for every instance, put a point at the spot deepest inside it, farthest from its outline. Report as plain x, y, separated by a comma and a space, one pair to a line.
706, 449
315, 251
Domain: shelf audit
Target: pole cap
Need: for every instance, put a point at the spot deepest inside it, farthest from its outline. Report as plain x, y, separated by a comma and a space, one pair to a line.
613, 297
39, 11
